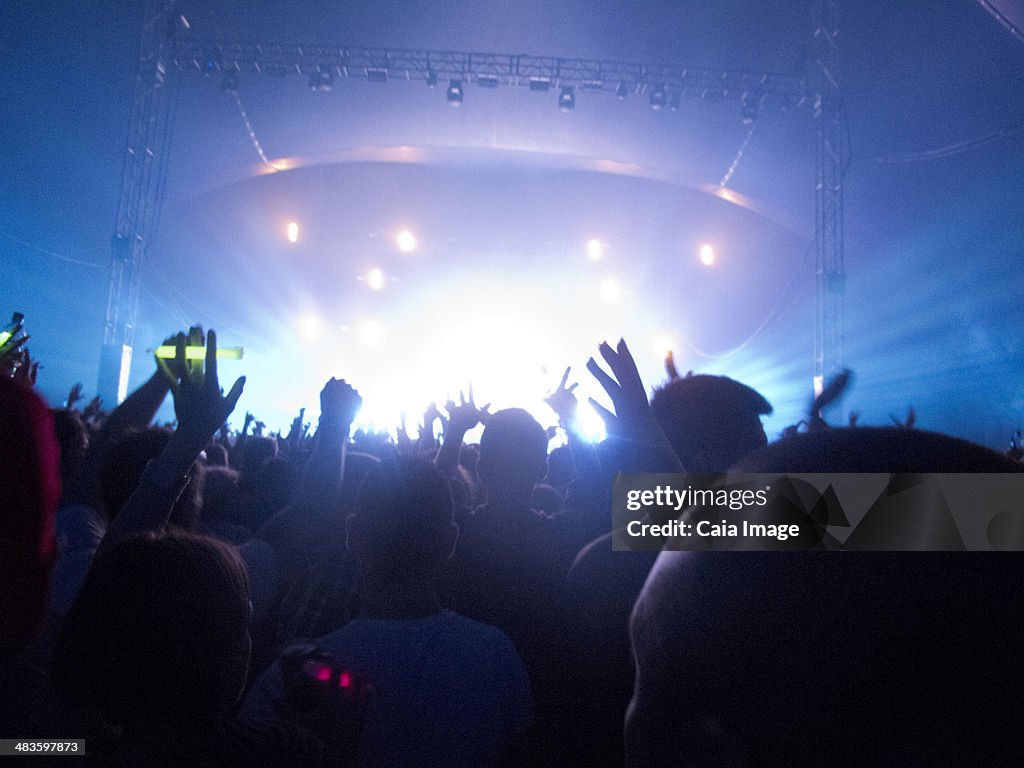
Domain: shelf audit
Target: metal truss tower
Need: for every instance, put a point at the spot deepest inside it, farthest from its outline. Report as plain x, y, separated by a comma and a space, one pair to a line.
142, 181
829, 270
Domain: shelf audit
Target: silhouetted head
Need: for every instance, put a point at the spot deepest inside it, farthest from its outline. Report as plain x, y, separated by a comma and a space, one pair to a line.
561, 469
123, 467
403, 526
513, 450
875, 449
255, 453
159, 630
73, 438
711, 421
216, 455
220, 487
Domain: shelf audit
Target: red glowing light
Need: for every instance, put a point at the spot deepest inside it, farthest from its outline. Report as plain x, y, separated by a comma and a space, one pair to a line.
345, 681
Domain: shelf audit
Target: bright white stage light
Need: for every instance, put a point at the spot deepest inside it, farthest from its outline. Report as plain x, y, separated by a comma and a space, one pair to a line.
375, 279
595, 249
406, 241
707, 255
293, 232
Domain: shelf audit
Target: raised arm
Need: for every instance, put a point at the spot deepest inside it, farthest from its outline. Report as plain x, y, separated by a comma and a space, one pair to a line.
645, 448
461, 418
201, 408
322, 475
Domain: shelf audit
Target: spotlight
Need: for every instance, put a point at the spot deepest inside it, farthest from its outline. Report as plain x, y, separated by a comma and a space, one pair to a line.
658, 98
406, 241
375, 279
595, 249
454, 94
707, 255
431, 78
622, 91
229, 83
293, 232
567, 98
321, 81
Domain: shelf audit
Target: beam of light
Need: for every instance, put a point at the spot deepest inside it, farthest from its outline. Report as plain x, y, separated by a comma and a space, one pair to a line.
375, 279
293, 232
595, 249
707, 255
406, 241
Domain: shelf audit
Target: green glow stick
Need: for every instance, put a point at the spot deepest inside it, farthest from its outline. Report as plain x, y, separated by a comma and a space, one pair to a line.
4, 336
199, 353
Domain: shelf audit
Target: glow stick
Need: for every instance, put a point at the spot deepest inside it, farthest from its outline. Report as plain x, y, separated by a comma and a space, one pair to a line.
199, 353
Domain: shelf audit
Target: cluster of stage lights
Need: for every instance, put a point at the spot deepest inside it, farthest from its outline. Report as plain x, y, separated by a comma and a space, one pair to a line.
322, 81
370, 332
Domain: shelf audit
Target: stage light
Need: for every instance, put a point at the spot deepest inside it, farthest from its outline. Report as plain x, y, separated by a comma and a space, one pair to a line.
322, 80
293, 232
595, 249
658, 98
707, 255
454, 94
622, 91
370, 333
610, 291
375, 279
567, 98
406, 241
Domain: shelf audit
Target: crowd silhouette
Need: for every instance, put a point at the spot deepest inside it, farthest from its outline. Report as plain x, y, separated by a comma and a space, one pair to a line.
195, 596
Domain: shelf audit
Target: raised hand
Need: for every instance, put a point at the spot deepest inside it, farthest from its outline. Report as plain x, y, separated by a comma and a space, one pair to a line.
200, 406
626, 390
74, 396
670, 366
92, 410
339, 402
464, 416
28, 369
633, 420
562, 400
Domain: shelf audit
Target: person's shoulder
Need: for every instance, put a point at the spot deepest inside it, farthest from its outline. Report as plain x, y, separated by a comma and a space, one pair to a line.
472, 630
